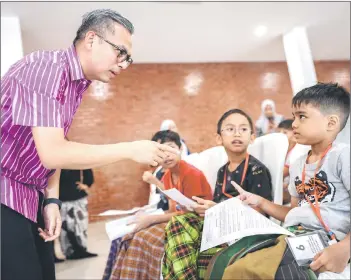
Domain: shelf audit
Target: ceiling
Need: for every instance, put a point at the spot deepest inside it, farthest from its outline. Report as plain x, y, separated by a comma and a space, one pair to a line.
174, 32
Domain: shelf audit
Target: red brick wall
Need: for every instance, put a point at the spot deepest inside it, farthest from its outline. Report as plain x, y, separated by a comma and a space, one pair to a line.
146, 94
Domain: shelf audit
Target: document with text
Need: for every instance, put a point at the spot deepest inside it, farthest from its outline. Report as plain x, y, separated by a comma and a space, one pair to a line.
231, 220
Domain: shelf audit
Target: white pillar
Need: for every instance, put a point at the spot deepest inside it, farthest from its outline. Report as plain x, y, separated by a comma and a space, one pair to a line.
11, 43
299, 59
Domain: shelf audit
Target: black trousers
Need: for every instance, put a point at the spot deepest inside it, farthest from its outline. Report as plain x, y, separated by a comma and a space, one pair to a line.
24, 255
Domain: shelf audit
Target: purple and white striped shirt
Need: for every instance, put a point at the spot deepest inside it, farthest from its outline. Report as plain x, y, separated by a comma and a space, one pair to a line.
44, 89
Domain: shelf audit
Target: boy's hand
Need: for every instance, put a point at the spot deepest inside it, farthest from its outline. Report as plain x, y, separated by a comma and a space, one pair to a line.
333, 258
148, 177
202, 205
141, 222
248, 198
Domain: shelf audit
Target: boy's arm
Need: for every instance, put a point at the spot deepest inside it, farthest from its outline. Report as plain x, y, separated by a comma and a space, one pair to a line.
276, 211
149, 178
145, 221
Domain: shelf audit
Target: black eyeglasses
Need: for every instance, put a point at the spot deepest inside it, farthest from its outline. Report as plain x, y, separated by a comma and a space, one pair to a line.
123, 55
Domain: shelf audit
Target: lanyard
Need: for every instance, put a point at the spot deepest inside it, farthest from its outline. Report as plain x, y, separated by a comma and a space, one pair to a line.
316, 208
242, 177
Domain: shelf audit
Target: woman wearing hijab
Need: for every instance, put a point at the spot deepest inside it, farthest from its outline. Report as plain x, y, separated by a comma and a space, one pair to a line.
269, 119
170, 125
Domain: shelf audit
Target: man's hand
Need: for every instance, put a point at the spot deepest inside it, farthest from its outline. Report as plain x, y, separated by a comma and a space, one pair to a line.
141, 222
333, 258
247, 198
148, 177
150, 152
202, 205
52, 220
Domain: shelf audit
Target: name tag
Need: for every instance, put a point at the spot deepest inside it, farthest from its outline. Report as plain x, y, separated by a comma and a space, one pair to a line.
304, 247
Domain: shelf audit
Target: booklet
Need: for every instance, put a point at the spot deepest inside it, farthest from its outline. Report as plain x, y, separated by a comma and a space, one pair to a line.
231, 220
120, 227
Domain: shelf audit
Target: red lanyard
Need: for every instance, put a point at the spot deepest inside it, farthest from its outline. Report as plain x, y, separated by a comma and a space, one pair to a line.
242, 177
316, 208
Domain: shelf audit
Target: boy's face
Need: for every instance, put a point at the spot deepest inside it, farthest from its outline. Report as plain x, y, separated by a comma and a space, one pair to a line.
310, 126
236, 134
289, 133
172, 159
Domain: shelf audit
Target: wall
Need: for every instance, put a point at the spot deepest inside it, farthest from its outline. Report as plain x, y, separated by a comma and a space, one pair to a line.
11, 42
143, 96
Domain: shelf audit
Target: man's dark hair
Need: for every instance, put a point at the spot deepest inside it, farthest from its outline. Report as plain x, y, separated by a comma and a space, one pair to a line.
165, 136
100, 21
329, 98
286, 124
231, 112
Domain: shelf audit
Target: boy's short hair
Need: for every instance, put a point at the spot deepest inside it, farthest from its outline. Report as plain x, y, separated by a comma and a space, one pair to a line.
286, 124
329, 98
165, 136
231, 112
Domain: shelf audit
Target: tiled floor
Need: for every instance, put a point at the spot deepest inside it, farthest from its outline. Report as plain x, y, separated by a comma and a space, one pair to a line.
92, 268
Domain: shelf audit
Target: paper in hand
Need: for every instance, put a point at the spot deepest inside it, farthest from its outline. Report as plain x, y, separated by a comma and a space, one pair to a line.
231, 220
181, 199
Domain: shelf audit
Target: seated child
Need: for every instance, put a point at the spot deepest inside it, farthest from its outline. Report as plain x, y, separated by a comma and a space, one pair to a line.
183, 232
286, 128
319, 181
139, 255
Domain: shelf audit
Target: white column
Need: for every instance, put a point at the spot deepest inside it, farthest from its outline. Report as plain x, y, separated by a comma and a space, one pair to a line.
11, 43
299, 59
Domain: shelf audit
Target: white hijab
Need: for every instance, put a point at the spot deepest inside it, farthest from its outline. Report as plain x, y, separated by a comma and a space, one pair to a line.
165, 125
263, 122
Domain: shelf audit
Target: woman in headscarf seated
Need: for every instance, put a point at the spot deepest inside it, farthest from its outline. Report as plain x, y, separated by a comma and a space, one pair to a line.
269, 119
170, 125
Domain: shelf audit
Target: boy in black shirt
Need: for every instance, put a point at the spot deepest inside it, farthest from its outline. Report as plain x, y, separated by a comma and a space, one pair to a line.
183, 233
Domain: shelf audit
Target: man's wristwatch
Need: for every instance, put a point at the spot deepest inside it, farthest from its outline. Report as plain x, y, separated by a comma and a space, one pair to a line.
52, 200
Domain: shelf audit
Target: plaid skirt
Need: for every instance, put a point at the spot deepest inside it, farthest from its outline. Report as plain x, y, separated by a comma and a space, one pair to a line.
183, 259
139, 256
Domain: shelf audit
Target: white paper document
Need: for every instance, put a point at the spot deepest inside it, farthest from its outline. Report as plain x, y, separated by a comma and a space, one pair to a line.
231, 220
152, 205
118, 228
119, 212
178, 197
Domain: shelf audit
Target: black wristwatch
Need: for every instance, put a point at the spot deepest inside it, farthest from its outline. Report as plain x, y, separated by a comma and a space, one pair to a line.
52, 200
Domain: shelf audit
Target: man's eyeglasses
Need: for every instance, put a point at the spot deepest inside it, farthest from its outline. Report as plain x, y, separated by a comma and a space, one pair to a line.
232, 130
123, 55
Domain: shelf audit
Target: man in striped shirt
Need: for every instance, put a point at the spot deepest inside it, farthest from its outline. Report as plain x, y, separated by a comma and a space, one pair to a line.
40, 95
